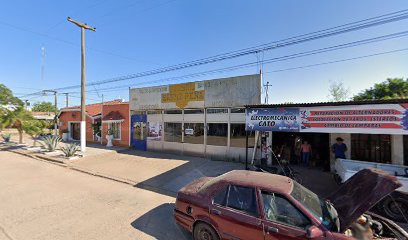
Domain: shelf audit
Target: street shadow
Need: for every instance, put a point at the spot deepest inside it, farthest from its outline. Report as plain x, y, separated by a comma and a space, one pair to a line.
159, 223
170, 182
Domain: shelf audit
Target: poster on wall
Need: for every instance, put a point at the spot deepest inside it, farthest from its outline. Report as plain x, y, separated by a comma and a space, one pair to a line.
273, 119
155, 131
370, 119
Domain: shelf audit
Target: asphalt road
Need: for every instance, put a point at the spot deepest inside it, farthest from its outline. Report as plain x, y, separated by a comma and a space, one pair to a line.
39, 200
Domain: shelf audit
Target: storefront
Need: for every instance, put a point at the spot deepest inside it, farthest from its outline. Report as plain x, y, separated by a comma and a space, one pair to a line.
374, 131
205, 118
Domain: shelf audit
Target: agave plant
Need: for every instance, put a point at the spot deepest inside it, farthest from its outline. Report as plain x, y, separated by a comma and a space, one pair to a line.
6, 137
51, 142
70, 150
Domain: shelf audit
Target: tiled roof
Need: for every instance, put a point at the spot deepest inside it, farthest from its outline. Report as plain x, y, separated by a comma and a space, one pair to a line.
113, 115
96, 108
319, 104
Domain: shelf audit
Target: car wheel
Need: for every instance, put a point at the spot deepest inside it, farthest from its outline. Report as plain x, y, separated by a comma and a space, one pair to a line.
392, 207
203, 231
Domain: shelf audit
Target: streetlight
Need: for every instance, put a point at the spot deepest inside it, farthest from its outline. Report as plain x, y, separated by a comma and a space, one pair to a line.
83, 27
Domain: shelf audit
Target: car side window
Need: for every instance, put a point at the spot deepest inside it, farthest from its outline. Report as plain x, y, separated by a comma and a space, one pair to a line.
242, 199
220, 197
278, 209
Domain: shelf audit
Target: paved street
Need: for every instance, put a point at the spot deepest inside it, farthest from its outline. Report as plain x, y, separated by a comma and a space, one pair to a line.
43, 201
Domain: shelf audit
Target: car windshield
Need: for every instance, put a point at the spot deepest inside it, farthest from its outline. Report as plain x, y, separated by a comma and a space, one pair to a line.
322, 210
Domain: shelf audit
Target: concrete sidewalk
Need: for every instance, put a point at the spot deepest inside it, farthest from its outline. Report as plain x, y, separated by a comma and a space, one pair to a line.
159, 172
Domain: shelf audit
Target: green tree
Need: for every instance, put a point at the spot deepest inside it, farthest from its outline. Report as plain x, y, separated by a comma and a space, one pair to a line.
7, 97
43, 107
16, 119
391, 88
34, 128
338, 92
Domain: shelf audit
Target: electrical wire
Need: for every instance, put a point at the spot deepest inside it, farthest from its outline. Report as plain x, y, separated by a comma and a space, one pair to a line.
294, 56
362, 24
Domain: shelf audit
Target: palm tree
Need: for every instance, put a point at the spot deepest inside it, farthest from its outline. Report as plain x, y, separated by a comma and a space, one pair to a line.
16, 119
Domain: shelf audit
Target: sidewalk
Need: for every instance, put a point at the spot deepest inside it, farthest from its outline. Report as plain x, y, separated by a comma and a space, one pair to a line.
159, 172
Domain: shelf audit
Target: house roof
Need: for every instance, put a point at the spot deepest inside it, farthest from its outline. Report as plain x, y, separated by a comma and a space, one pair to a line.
94, 109
113, 115
342, 103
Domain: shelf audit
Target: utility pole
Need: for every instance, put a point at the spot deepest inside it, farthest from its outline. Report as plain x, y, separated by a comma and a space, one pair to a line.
83, 27
66, 99
55, 110
267, 85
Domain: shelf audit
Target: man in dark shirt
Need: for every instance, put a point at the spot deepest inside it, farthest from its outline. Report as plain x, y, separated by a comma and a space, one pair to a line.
339, 148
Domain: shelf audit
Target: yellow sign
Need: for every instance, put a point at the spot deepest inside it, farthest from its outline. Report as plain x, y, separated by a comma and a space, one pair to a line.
182, 94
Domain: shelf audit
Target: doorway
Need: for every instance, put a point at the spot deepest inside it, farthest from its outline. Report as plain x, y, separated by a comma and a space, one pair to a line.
75, 131
320, 147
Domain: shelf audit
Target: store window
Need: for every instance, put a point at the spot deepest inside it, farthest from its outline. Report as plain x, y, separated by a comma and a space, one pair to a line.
152, 112
193, 111
238, 136
371, 147
172, 132
237, 110
217, 134
194, 133
155, 131
217, 110
115, 129
175, 111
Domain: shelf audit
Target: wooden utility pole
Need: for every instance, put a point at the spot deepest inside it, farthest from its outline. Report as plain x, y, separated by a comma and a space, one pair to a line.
83, 27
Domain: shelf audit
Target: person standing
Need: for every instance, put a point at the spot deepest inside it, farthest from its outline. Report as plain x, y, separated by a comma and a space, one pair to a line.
339, 148
306, 152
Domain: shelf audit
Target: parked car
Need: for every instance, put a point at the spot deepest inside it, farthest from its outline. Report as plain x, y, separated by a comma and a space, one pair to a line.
254, 205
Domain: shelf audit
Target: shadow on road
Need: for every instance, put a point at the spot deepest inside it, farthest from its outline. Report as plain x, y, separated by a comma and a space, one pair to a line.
159, 223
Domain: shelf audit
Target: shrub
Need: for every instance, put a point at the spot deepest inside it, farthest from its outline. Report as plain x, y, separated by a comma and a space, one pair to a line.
6, 137
70, 150
51, 142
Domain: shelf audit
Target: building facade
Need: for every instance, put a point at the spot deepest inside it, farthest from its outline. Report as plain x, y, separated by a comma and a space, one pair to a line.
204, 118
374, 131
100, 117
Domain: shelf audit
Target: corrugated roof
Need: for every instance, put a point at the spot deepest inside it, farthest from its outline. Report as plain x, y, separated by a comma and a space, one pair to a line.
320, 104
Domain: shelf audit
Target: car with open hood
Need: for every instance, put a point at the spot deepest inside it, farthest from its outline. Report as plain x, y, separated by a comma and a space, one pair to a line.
254, 205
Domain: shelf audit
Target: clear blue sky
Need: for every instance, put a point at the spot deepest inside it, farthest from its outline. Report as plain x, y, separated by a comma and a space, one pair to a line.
139, 35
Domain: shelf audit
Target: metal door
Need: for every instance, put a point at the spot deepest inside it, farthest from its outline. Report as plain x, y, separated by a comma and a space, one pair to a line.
139, 131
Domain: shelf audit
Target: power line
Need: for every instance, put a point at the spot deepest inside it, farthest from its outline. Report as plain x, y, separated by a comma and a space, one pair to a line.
121, 88
297, 55
362, 24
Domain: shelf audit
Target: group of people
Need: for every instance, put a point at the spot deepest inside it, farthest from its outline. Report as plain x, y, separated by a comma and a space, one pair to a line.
305, 152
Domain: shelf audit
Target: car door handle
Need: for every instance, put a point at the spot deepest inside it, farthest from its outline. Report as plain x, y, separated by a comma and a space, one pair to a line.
215, 212
272, 230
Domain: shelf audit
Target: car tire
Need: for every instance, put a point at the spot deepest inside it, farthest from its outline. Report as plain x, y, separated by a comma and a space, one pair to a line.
203, 231
391, 207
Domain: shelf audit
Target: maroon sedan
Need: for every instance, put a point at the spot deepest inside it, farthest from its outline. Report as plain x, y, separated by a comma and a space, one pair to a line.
253, 205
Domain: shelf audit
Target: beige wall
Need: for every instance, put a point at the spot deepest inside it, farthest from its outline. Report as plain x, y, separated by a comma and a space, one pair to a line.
397, 149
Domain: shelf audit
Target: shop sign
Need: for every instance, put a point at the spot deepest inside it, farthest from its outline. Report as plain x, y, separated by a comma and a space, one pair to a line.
375, 119
273, 119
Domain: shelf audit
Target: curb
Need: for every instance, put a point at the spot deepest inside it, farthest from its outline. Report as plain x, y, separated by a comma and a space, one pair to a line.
64, 165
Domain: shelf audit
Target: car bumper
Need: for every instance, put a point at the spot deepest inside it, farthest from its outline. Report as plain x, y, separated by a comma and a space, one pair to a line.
184, 220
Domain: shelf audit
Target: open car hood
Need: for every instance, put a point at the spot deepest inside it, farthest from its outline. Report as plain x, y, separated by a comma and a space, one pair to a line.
360, 193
